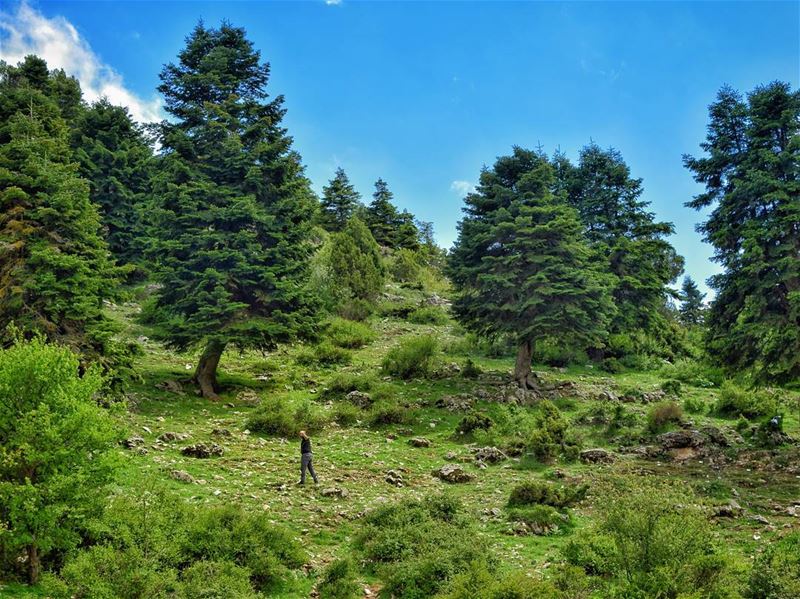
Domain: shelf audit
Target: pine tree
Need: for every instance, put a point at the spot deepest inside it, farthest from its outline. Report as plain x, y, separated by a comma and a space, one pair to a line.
521, 265
233, 207
406, 232
355, 262
55, 269
339, 200
116, 160
752, 178
692, 308
624, 235
382, 216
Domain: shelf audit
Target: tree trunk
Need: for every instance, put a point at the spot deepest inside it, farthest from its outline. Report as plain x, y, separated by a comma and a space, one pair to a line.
205, 377
34, 563
522, 369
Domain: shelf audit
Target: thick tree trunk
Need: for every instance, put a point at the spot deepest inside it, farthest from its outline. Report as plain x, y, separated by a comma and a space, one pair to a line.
205, 377
522, 369
34, 563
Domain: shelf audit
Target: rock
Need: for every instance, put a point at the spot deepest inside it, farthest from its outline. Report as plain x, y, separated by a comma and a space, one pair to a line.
597, 456
169, 436
334, 492
761, 519
607, 395
450, 456
731, 510
248, 397
132, 442
455, 403
171, 386
453, 473
221, 432
203, 450
393, 477
182, 476
680, 439
360, 399
715, 435
419, 442
489, 454
435, 300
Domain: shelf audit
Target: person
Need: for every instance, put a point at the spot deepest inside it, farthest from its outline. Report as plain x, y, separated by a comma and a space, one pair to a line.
306, 459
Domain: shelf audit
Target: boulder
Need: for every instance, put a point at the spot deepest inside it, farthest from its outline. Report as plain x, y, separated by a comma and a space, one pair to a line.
419, 442
597, 456
203, 450
453, 473
360, 399
681, 439
248, 397
133, 442
182, 476
731, 510
221, 432
489, 454
169, 436
435, 300
337, 492
395, 478
455, 403
171, 386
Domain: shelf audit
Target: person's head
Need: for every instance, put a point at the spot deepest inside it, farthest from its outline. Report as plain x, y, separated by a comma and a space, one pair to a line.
303, 435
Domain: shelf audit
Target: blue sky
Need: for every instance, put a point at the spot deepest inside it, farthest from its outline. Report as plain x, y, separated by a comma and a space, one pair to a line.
424, 94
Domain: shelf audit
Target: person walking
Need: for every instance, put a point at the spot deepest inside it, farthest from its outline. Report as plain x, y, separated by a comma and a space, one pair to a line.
306, 459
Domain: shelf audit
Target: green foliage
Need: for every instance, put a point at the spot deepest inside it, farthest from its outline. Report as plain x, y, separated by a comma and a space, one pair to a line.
542, 493
275, 416
750, 178
520, 265
692, 309
349, 334
479, 582
776, 572
649, 544
612, 366
695, 405
345, 382
540, 517
355, 265
217, 580
324, 354
417, 547
671, 387
693, 372
428, 315
390, 228
405, 266
338, 581
474, 421
751, 403
549, 437
390, 412
355, 309
554, 353
339, 202
412, 357
471, 370
662, 414
345, 414
55, 457
232, 211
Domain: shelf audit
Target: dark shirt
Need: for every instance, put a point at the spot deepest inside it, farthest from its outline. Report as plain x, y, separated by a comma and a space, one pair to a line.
305, 445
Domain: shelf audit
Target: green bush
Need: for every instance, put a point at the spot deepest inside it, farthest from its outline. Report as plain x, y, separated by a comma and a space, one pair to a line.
405, 266
549, 437
387, 412
345, 414
275, 416
543, 493
397, 309
349, 334
338, 581
428, 315
345, 382
735, 401
776, 572
216, 580
554, 353
671, 387
471, 370
324, 354
544, 517
357, 310
412, 357
476, 420
694, 373
480, 582
663, 413
612, 366
694, 405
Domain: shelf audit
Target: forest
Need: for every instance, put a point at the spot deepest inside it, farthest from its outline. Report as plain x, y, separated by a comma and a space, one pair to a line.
548, 409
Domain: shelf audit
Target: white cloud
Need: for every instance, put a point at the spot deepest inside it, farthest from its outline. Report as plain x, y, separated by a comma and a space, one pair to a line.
462, 187
333, 2
58, 42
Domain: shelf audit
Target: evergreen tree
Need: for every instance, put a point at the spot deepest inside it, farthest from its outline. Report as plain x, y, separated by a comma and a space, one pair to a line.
406, 232
382, 216
624, 235
339, 200
691, 309
55, 269
116, 160
521, 265
752, 179
355, 262
233, 207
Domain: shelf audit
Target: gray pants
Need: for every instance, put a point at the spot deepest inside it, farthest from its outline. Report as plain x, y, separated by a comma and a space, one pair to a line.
305, 462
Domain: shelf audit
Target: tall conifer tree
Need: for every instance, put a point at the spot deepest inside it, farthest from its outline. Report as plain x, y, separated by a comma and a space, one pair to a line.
752, 177
339, 201
382, 215
234, 207
521, 265
691, 309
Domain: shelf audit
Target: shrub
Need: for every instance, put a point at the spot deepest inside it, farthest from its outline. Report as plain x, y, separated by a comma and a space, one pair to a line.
474, 421
694, 373
355, 261
349, 334
549, 438
386, 412
397, 309
324, 354
554, 353
405, 266
345, 414
356, 310
412, 357
275, 416
734, 400
542, 493
545, 518
694, 405
480, 582
216, 580
471, 370
776, 572
428, 315
343, 383
338, 581
662, 414
612, 366
55, 452
671, 387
